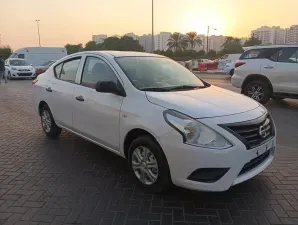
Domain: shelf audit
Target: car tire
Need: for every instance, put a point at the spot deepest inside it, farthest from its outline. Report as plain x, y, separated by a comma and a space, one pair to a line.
48, 123
278, 98
258, 90
155, 178
232, 72
9, 76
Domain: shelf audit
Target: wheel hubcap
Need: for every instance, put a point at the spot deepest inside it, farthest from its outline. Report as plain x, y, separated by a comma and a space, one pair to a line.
144, 165
46, 121
256, 92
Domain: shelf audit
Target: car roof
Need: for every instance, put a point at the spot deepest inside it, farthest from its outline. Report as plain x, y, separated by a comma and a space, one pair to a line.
121, 53
269, 46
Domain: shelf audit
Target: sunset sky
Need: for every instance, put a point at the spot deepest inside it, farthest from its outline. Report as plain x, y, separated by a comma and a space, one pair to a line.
75, 21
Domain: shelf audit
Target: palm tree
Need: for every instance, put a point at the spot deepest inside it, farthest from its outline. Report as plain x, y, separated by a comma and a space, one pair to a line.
193, 39
177, 42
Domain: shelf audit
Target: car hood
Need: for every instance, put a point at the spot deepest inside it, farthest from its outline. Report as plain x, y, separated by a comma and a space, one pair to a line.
23, 67
206, 102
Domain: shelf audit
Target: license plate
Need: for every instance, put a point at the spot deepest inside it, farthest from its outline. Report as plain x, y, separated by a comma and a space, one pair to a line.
263, 148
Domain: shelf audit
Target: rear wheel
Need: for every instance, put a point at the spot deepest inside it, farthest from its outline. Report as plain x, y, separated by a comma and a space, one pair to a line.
258, 90
232, 72
48, 123
148, 164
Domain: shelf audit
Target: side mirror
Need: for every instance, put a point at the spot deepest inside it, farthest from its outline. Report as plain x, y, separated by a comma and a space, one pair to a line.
109, 87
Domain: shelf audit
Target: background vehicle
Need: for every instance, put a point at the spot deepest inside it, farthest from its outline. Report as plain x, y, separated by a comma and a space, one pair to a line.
229, 68
170, 125
42, 68
39, 55
19, 68
227, 58
265, 72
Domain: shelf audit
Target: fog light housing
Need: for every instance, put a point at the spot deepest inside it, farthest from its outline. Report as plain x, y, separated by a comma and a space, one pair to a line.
208, 175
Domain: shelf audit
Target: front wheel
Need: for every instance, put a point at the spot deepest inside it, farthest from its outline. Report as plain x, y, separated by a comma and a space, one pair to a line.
9, 76
48, 123
232, 72
258, 90
148, 164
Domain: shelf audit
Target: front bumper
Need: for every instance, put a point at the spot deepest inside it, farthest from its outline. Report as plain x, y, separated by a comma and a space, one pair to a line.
21, 74
237, 81
184, 159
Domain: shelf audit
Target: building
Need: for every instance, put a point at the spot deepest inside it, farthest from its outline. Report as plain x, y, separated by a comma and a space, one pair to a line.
270, 35
215, 42
132, 35
292, 35
278, 36
161, 41
146, 41
263, 34
99, 38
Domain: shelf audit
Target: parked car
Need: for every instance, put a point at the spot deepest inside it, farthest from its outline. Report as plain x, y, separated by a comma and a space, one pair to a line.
39, 55
19, 68
227, 58
42, 68
265, 72
229, 69
171, 126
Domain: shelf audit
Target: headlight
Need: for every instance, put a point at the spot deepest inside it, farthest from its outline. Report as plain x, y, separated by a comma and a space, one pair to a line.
14, 68
194, 132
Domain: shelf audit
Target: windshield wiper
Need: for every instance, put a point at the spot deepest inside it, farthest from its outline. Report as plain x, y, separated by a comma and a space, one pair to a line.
186, 87
158, 89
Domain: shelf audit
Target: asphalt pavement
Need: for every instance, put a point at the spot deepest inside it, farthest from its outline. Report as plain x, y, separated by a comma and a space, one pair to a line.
71, 181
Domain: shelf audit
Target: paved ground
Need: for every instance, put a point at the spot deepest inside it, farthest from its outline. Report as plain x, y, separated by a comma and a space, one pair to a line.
70, 181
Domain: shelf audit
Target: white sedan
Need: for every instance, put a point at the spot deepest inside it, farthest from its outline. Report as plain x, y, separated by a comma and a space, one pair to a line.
171, 126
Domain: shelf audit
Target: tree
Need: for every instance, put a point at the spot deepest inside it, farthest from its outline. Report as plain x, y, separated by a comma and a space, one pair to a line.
177, 42
201, 53
122, 44
73, 48
5, 51
193, 39
252, 41
231, 45
91, 46
211, 54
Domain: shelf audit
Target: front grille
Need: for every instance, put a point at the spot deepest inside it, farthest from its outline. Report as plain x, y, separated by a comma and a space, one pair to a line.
24, 74
23, 70
254, 162
253, 135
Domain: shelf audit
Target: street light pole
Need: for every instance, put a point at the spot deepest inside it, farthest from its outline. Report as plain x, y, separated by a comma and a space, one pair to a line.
207, 39
152, 26
208, 29
37, 21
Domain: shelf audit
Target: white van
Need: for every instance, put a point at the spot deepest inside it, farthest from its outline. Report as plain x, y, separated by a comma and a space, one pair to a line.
39, 55
227, 58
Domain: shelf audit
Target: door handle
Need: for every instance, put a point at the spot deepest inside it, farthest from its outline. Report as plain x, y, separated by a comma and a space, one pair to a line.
80, 98
49, 89
268, 67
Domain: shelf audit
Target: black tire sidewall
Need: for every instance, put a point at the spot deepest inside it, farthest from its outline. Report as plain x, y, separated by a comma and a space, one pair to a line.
266, 89
164, 179
232, 72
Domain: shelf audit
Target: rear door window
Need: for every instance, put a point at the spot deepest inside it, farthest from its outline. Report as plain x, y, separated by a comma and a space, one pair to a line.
252, 54
67, 70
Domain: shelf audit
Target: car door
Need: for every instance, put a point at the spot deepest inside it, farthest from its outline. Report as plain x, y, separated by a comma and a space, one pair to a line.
95, 114
284, 74
60, 91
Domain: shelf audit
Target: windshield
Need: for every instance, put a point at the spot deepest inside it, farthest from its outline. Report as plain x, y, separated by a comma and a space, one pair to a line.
17, 62
48, 63
157, 73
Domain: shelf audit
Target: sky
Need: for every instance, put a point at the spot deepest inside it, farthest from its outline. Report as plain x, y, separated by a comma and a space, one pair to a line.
75, 21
